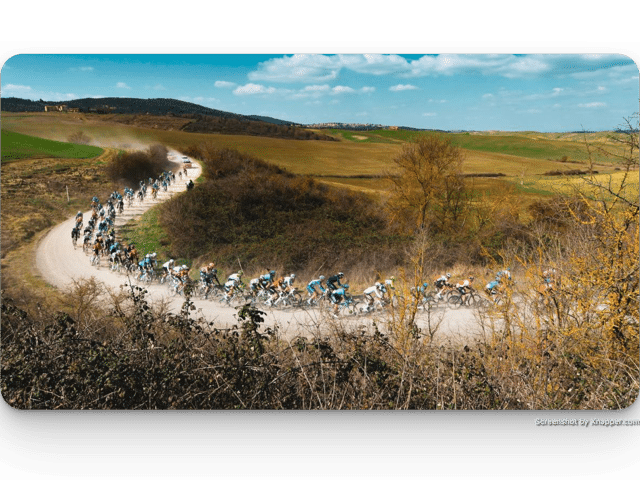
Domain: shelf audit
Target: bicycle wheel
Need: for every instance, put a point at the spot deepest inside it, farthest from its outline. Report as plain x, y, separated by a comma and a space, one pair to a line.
296, 300
455, 301
473, 300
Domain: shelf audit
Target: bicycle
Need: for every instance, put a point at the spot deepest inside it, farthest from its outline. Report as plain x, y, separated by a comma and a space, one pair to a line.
290, 299
469, 298
378, 304
347, 307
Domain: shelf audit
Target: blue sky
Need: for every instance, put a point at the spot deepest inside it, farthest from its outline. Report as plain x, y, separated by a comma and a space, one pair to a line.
555, 92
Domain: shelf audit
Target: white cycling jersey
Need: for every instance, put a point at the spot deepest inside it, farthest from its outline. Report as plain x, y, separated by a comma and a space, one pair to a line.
372, 290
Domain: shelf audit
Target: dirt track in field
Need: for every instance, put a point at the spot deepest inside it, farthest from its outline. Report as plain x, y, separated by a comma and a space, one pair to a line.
61, 264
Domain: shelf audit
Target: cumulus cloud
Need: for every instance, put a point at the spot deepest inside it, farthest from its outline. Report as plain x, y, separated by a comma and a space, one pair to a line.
123, 85
253, 89
324, 68
298, 68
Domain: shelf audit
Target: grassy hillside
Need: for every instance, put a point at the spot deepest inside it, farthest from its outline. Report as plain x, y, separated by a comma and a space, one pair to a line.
16, 146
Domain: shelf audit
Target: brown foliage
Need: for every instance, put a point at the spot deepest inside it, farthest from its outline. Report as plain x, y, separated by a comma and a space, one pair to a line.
129, 168
266, 216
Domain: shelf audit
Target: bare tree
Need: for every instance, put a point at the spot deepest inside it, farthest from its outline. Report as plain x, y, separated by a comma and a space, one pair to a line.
428, 184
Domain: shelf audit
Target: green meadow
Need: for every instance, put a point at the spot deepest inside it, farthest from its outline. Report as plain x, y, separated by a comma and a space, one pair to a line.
17, 146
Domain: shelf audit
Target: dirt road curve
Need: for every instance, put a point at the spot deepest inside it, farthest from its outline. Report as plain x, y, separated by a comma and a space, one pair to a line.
60, 264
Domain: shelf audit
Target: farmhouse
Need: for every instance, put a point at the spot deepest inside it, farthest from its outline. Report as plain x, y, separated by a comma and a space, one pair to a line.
55, 108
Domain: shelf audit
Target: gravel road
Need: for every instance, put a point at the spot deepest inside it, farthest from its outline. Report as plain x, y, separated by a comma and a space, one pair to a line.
61, 264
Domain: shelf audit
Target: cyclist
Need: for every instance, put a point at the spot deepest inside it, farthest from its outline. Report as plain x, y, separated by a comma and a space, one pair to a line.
420, 291
378, 290
441, 283
212, 273
267, 279
97, 247
75, 235
313, 286
285, 287
274, 289
166, 268
337, 296
132, 254
183, 276
333, 282
492, 287
86, 243
254, 286
465, 286
232, 283
549, 281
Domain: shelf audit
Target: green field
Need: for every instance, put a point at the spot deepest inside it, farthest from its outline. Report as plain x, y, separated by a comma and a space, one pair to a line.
16, 146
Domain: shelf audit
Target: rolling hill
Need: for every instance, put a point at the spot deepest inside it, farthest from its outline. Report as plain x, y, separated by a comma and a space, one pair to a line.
139, 106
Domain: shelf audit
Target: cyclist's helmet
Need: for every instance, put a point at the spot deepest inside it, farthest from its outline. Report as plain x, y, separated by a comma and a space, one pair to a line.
425, 284
448, 275
346, 286
272, 273
470, 277
340, 274
211, 265
321, 277
293, 275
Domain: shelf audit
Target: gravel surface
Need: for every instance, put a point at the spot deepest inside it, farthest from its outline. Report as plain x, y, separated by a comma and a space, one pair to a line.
61, 264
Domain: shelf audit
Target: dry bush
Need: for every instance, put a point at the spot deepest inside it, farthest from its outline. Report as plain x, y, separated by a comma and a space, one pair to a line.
128, 168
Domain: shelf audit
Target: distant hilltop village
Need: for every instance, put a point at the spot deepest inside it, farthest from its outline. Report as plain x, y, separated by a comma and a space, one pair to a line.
366, 126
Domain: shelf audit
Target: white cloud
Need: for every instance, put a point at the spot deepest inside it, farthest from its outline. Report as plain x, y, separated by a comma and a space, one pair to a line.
373, 64
401, 88
253, 89
368, 89
16, 88
122, 85
324, 68
341, 89
224, 84
298, 68
27, 92
429, 114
